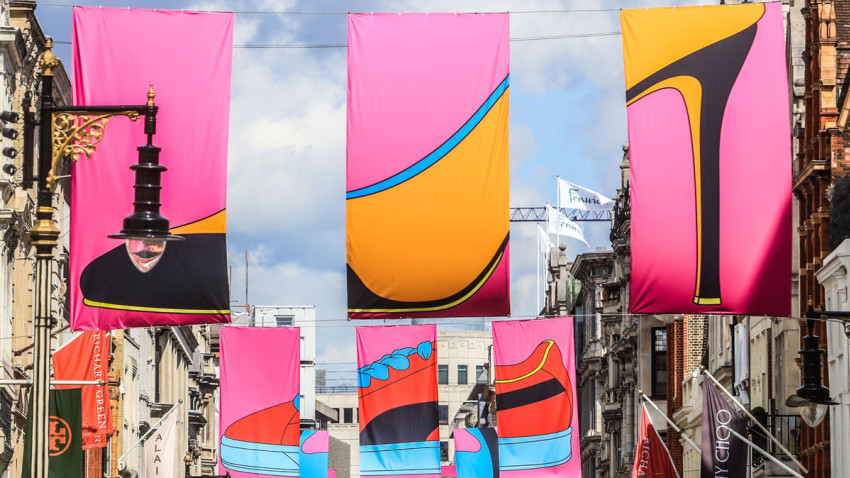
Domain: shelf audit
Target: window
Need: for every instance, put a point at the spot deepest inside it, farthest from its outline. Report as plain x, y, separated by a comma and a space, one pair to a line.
442, 374
659, 362
444, 451
444, 414
461, 374
283, 320
479, 370
348, 415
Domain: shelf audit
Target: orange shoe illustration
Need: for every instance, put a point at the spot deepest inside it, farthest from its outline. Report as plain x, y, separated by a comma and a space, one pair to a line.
265, 442
534, 401
399, 431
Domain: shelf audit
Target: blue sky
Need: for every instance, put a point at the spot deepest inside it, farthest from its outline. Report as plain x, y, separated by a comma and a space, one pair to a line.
286, 171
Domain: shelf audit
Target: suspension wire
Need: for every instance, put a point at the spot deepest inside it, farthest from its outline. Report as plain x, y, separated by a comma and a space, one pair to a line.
284, 12
293, 46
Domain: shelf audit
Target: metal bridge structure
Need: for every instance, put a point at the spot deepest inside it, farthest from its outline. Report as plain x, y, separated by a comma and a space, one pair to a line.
538, 214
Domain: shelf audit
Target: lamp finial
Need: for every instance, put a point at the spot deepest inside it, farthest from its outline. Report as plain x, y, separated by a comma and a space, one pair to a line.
48, 59
151, 96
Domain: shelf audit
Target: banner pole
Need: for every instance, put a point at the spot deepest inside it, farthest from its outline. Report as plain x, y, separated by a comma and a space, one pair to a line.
558, 229
767, 455
747, 412
670, 421
537, 291
121, 464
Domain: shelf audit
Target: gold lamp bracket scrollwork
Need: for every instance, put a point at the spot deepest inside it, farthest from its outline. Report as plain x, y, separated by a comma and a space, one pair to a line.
77, 135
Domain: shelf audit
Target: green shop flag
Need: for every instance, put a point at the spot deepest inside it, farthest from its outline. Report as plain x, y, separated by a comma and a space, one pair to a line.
65, 439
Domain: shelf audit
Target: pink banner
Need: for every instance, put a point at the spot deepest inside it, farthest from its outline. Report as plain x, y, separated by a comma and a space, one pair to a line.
427, 165
708, 111
259, 415
118, 53
536, 398
397, 398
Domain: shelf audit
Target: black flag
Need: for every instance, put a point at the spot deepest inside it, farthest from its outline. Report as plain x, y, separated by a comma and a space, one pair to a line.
723, 454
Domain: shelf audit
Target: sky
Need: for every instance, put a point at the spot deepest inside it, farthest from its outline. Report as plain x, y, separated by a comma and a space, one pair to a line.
286, 158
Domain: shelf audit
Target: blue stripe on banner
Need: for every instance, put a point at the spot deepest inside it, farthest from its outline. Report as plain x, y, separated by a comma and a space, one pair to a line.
533, 452
420, 458
438, 153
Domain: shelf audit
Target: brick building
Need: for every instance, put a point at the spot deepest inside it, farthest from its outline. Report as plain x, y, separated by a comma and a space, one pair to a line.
822, 154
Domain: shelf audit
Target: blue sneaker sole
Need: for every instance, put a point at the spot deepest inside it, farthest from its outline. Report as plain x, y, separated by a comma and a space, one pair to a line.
259, 458
533, 452
419, 458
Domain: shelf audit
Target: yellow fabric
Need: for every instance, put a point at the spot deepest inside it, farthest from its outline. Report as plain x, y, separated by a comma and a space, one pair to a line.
423, 227
654, 38
217, 223
691, 92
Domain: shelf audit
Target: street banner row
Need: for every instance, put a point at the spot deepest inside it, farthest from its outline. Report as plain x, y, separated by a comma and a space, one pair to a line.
427, 175
427, 180
187, 58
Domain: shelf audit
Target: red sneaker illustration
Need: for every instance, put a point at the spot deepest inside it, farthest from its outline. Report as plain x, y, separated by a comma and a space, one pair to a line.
399, 420
534, 401
265, 442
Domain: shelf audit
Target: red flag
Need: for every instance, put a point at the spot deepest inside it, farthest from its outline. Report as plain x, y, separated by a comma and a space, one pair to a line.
652, 459
87, 358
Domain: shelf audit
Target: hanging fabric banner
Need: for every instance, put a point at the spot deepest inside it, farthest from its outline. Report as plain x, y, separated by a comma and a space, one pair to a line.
535, 398
476, 452
86, 357
159, 449
64, 444
313, 454
707, 96
722, 453
397, 398
427, 178
260, 421
173, 51
651, 457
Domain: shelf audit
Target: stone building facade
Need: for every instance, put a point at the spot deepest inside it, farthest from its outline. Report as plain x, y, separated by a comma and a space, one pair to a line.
619, 354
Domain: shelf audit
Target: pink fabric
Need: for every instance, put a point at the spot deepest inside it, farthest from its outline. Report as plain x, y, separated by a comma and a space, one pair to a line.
187, 57
375, 342
464, 441
513, 343
422, 117
449, 471
755, 216
260, 368
318, 443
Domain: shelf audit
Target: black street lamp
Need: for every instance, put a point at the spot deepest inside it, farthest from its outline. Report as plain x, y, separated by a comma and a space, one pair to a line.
812, 398
74, 131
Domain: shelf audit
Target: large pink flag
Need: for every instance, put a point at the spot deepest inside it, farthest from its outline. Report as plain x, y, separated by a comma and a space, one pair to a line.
118, 53
710, 152
259, 415
397, 398
536, 398
427, 179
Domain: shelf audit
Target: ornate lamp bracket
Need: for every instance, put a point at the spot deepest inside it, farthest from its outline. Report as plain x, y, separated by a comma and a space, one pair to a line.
77, 135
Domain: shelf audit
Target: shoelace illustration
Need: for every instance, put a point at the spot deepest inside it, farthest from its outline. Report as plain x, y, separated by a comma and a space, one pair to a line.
398, 360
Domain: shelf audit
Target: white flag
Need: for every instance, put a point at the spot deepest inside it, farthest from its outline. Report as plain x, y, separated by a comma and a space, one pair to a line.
560, 224
159, 450
546, 244
577, 197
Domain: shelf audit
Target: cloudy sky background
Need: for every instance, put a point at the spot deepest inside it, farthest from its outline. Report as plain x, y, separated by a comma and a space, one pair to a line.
286, 171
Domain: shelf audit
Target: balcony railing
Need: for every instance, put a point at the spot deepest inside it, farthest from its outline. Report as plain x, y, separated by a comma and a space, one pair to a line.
786, 428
